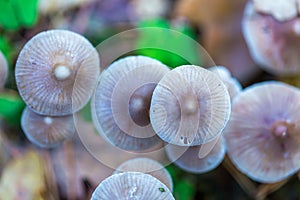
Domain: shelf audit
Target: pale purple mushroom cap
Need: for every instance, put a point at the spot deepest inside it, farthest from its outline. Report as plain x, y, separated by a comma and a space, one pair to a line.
3, 70
121, 102
187, 158
274, 45
281, 10
56, 72
190, 106
131, 186
46, 131
262, 135
147, 166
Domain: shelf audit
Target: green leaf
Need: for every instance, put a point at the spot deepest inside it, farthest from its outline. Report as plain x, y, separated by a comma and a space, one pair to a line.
26, 11
17, 13
11, 107
174, 172
86, 112
161, 23
184, 190
172, 47
6, 49
8, 19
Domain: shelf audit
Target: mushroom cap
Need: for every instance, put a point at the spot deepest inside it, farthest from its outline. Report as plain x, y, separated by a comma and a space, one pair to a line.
46, 131
131, 185
232, 84
262, 135
56, 72
187, 158
272, 44
3, 70
281, 10
147, 166
121, 102
190, 106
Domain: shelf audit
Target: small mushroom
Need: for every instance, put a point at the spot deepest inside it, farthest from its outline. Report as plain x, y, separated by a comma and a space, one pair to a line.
131, 185
56, 72
147, 166
46, 131
262, 135
232, 84
188, 158
3, 70
121, 102
273, 44
190, 106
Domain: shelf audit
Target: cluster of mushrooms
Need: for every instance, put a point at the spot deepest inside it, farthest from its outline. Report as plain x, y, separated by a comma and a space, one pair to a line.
263, 133
56, 72
138, 102
272, 33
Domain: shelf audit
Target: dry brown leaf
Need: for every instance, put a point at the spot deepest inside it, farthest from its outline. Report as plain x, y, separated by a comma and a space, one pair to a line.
23, 178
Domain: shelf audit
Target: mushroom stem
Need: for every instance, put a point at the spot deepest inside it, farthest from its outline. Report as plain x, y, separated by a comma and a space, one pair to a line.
62, 72
280, 129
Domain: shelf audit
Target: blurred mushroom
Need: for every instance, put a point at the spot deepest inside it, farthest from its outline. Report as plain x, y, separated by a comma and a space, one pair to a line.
281, 10
190, 106
46, 131
188, 158
56, 72
219, 22
52, 6
121, 103
3, 70
232, 84
273, 44
131, 185
262, 135
148, 166
145, 10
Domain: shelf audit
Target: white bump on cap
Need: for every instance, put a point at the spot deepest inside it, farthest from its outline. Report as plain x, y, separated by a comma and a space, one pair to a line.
62, 72
48, 120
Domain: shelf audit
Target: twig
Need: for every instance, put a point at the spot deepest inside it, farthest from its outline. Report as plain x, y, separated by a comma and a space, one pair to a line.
71, 169
266, 189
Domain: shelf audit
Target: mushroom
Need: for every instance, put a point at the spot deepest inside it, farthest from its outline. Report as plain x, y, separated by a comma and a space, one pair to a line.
262, 135
3, 70
232, 84
148, 166
273, 44
56, 72
121, 102
281, 10
188, 158
46, 131
131, 185
190, 106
